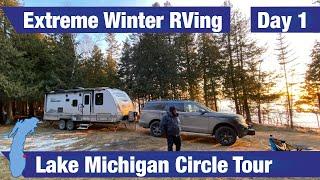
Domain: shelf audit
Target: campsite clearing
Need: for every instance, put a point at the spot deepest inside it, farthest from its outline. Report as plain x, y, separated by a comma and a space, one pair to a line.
109, 138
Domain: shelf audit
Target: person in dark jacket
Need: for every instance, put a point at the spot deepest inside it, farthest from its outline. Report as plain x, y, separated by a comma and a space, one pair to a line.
171, 126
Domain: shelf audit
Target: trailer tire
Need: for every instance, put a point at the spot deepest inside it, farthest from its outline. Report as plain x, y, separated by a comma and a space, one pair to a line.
70, 125
62, 124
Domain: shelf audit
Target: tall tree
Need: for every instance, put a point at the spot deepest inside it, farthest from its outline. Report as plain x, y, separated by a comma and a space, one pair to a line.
262, 92
66, 61
243, 56
5, 27
212, 66
126, 66
10, 87
188, 63
35, 70
155, 63
93, 69
112, 54
8, 53
313, 75
149, 67
284, 60
310, 100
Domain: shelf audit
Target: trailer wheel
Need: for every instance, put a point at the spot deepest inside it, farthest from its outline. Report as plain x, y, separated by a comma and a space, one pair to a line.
62, 124
70, 125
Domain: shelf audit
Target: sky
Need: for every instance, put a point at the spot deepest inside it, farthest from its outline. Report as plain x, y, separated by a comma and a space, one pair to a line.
300, 44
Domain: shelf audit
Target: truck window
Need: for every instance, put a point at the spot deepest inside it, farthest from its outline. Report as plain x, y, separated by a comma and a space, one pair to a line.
86, 100
75, 103
99, 99
154, 106
191, 107
178, 106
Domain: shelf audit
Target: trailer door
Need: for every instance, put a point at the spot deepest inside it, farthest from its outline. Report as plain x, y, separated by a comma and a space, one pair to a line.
86, 104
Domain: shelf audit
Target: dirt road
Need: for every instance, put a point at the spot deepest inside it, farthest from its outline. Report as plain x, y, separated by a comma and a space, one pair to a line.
109, 138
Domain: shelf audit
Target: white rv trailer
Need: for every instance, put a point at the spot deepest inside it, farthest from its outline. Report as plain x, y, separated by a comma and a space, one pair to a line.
88, 105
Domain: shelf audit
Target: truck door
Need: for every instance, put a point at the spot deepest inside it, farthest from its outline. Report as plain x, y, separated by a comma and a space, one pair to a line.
86, 104
193, 120
180, 109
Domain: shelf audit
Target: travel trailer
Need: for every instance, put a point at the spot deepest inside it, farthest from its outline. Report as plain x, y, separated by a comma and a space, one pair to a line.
84, 106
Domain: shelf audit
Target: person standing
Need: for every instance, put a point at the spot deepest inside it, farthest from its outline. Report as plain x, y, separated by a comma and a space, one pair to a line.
171, 126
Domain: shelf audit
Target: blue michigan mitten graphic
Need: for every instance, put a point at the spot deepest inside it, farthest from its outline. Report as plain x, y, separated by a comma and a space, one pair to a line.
19, 133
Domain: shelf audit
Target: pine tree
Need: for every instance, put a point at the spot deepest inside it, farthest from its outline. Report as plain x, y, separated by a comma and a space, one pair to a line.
243, 55
148, 67
313, 74
93, 69
66, 60
126, 67
111, 60
284, 60
188, 64
212, 66
5, 27
310, 100
8, 86
155, 64
262, 93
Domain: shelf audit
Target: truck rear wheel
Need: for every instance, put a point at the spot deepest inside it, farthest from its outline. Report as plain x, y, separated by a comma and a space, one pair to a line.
226, 136
155, 129
70, 125
62, 124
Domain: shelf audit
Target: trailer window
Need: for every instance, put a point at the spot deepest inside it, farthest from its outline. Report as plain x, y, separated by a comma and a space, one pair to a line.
75, 103
86, 99
99, 99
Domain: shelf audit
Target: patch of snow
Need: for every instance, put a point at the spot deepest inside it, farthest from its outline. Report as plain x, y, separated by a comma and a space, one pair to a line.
3, 148
47, 144
88, 148
5, 136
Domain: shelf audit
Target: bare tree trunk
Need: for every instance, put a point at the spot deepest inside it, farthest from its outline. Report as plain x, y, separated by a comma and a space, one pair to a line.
318, 95
14, 107
246, 107
2, 104
205, 89
317, 119
25, 111
9, 112
139, 105
2, 118
247, 110
259, 113
31, 109
232, 76
215, 99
